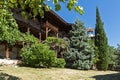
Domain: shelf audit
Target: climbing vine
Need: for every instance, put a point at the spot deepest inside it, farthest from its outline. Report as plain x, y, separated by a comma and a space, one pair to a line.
37, 7
8, 27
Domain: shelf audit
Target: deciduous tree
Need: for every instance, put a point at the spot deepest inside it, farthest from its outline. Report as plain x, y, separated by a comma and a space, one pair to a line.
38, 7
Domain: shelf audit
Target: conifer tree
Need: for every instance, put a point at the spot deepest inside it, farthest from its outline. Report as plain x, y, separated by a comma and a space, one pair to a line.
116, 59
101, 43
79, 52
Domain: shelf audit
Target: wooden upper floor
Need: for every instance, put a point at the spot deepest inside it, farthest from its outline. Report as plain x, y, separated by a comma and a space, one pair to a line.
50, 25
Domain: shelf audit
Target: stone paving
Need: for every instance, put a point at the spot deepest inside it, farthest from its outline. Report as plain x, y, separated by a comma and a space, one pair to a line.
8, 62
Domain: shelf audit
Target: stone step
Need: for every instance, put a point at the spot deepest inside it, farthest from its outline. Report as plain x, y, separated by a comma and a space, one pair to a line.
9, 62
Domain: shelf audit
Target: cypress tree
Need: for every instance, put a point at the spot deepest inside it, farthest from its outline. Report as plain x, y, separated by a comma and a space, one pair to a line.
101, 43
79, 52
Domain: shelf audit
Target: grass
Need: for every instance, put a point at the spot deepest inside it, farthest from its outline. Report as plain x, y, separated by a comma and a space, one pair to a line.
26, 73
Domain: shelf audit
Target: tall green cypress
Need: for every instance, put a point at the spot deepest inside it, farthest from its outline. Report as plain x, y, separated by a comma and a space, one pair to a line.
101, 43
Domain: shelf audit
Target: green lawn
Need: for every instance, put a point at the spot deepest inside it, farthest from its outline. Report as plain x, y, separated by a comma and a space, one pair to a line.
26, 73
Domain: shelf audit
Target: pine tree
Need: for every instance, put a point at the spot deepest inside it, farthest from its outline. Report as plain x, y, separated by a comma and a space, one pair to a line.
79, 52
101, 43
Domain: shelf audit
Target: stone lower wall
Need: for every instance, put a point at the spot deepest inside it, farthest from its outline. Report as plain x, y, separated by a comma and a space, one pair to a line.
14, 52
2, 51
9, 62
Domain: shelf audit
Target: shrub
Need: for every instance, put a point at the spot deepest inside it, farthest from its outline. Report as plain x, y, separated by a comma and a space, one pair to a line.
38, 55
54, 41
57, 44
60, 63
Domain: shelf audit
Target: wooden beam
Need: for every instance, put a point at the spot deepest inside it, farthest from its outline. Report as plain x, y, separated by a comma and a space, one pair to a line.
49, 30
52, 27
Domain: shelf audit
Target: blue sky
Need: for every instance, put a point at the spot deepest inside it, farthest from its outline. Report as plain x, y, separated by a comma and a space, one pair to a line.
109, 12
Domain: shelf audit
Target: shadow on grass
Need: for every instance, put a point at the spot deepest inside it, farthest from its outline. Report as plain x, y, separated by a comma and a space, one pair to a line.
4, 76
115, 76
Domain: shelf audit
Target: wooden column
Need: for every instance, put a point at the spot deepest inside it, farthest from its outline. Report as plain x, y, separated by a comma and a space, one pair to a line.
7, 52
57, 35
40, 36
47, 31
28, 29
23, 44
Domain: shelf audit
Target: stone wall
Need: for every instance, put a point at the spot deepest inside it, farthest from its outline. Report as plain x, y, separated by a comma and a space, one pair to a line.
2, 51
14, 52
